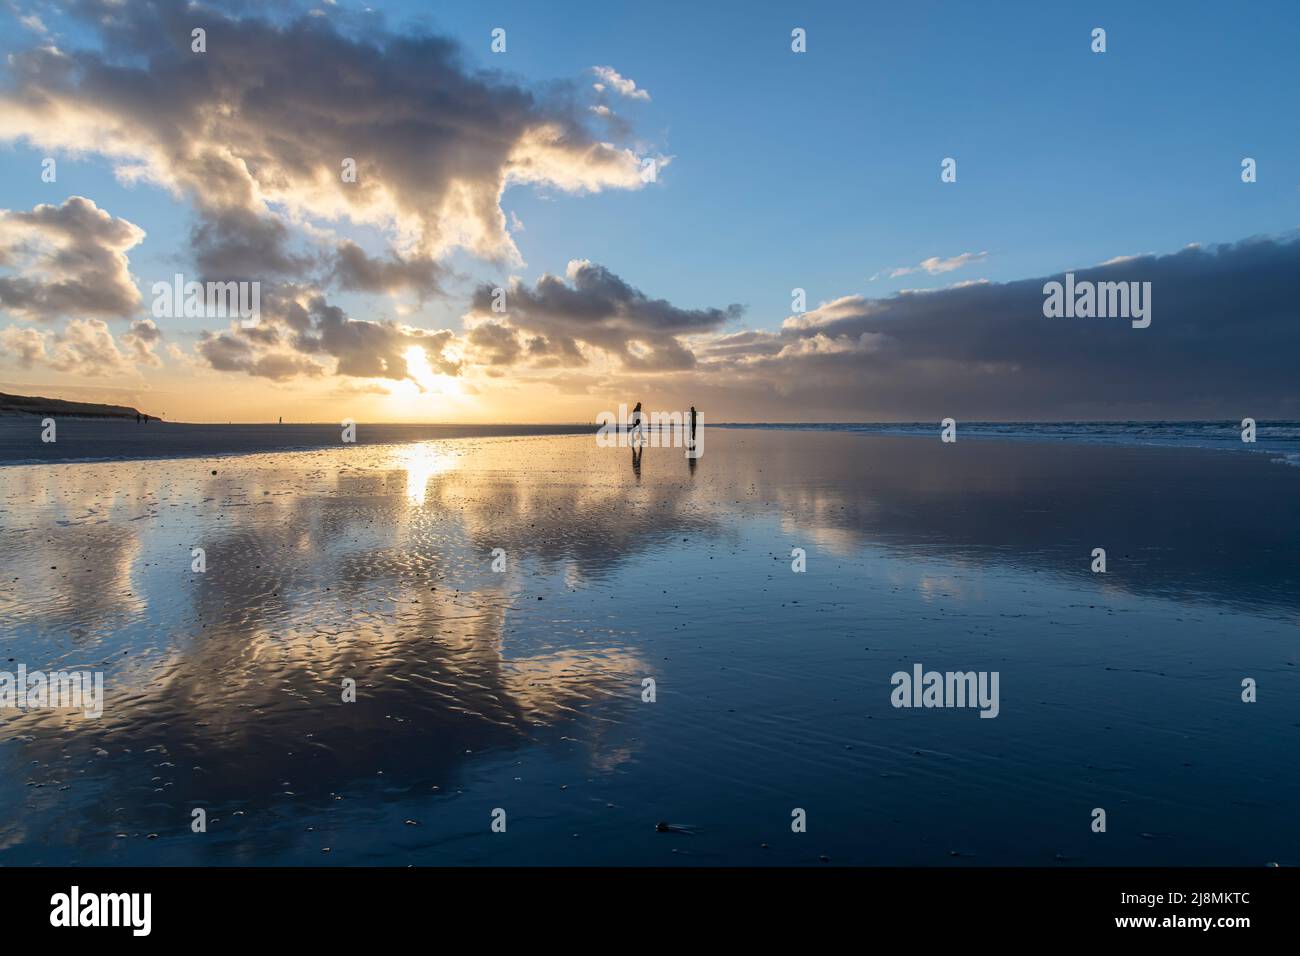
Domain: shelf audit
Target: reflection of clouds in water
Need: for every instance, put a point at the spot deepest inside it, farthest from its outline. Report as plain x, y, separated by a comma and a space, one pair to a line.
840, 541
573, 575
72, 581
569, 504
938, 588
374, 563
1029, 506
317, 573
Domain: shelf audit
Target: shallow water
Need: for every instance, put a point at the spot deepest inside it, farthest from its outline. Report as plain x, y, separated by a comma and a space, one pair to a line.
522, 690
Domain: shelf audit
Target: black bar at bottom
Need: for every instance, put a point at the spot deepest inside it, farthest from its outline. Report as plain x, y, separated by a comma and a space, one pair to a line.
336, 905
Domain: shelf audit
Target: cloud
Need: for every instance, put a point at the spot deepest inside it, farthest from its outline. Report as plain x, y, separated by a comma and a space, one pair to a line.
372, 349
84, 347
828, 313
229, 352
236, 243
300, 332
355, 270
495, 344
610, 79
936, 265
256, 131
820, 343
1222, 344
556, 324
71, 259
141, 339
23, 345
598, 309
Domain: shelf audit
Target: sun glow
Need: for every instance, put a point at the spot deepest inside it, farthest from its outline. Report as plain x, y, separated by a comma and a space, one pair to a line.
429, 381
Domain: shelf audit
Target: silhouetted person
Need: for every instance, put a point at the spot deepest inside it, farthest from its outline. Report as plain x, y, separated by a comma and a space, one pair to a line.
692, 424
137, 418
634, 422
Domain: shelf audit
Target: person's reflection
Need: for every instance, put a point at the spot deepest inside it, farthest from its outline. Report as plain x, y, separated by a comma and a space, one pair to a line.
636, 461
690, 461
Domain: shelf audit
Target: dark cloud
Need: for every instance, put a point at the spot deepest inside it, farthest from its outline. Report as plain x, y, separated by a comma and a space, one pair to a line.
355, 270
495, 343
597, 308
1223, 342
238, 244
229, 352
280, 366
557, 352
225, 351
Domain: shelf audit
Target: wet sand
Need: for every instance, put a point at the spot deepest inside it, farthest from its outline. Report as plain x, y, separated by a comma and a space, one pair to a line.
86, 439
522, 689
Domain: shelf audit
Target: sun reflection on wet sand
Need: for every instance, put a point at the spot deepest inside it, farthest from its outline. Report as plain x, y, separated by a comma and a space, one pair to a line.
422, 461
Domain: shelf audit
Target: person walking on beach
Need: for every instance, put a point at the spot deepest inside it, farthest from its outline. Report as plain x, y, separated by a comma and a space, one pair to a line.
692, 424
634, 421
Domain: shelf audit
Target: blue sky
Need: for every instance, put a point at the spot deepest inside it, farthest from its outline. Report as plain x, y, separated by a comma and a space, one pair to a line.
821, 170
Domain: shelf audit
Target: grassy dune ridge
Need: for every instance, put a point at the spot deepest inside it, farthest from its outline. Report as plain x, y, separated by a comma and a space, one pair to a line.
35, 405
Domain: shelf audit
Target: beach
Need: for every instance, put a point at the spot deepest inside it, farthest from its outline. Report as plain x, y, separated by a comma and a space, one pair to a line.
82, 439
522, 687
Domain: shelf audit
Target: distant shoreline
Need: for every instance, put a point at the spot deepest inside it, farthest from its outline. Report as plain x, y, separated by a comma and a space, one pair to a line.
104, 439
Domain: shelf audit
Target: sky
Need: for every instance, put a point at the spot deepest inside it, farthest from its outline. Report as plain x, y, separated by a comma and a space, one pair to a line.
648, 186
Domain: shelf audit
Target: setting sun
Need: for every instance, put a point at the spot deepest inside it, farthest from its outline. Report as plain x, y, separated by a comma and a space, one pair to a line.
425, 380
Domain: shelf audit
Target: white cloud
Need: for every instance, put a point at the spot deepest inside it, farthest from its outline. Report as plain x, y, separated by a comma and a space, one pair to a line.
937, 265
67, 260
610, 78
434, 145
